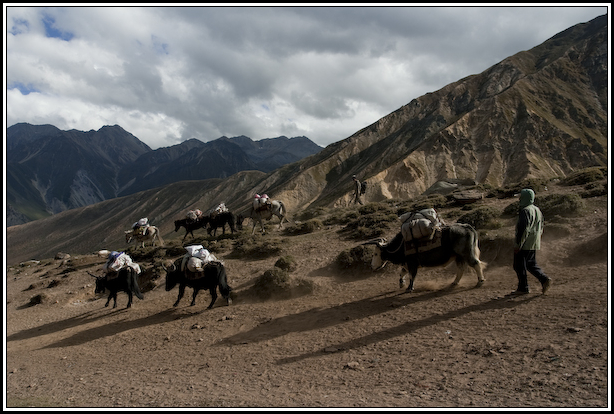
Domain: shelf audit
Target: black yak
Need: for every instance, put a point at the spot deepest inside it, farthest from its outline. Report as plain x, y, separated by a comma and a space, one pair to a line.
212, 276
459, 242
125, 281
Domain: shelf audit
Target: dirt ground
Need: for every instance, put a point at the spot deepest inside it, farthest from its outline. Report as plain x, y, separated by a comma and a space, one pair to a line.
358, 341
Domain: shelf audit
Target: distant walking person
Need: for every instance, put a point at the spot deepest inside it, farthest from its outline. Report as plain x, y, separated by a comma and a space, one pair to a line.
356, 191
529, 230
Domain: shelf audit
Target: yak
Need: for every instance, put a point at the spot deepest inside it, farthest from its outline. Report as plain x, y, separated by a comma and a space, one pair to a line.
276, 208
151, 233
124, 280
220, 220
190, 225
459, 242
212, 277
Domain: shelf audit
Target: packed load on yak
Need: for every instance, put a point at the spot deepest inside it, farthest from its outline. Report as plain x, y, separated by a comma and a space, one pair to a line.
421, 230
420, 224
117, 261
221, 208
261, 202
140, 227
194, 215
197, 258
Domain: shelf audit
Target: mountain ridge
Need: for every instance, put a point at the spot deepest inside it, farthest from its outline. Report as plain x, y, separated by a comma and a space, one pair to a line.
53, 170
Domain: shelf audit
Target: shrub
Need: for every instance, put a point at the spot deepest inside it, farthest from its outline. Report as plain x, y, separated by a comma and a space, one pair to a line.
372, 208
340, 216
303, 228
562, 204
312, 213
431, 201
594, 190
273, 282
286, 263
37, 299
584, 176
257, 247
566, 205
510, 190
370, 225
358, 257
481, 218
277, 283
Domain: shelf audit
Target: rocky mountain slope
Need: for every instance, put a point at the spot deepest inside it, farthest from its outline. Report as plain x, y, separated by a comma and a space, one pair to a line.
541, 113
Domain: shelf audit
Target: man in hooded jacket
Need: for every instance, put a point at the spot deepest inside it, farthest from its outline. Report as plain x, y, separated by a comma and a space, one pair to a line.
529, 229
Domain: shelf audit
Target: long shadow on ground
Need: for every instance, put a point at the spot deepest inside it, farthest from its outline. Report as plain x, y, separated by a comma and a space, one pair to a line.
322, 318
115, 327
409, 327
314, 319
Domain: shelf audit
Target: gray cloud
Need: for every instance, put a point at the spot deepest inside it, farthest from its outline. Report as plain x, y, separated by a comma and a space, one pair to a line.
169, 74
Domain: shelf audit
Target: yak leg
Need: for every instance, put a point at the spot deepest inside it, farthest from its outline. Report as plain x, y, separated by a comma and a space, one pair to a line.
129, 299
180, 295
413, 271
461, 266
261, 225
402, 277
478, 269
194, 297
213, 292
111, 296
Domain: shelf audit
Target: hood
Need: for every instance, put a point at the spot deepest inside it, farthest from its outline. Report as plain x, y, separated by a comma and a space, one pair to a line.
527, 197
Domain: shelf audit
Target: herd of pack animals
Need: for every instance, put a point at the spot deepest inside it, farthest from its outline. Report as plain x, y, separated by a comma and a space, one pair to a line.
424, 241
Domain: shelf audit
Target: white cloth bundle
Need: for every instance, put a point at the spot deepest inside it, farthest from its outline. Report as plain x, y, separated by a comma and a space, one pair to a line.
117, 261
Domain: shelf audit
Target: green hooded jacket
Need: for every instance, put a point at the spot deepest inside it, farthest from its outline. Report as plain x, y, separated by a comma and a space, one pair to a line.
530, 222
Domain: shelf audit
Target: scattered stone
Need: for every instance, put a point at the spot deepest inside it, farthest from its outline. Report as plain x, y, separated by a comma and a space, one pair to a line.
61, 256
574, 329
352, 365
196, 326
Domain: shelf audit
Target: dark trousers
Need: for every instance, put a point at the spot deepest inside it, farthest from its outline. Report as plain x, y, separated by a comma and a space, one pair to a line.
524, 261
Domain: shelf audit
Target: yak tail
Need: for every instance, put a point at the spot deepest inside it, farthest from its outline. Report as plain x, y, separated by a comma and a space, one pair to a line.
157, 235
476, 248
282, 208
223, 283
134, 281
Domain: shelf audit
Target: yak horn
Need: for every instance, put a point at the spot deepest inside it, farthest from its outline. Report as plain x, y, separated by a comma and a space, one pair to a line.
169, 266
378, 242
92, 275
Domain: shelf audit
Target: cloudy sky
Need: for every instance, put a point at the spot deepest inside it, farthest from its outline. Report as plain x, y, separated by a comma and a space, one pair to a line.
167, 74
